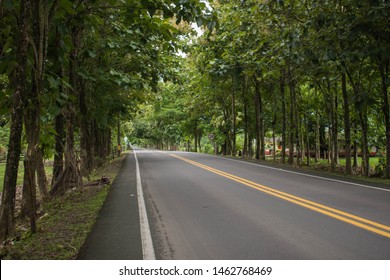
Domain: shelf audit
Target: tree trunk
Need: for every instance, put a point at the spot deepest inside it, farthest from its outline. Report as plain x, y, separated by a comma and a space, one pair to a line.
118, 139
32, 113
383, 65
246, 119
260, 151
86, 154
335, 132
31, 121
199, 139
234, 119
18, 84
298, 125
284, 117
70, 177
318, 142
41, 175
355, 151
292, 130
257, 136
260, 143
246, 133
365, 151
307, 142
29, 194
274, 126
250, 146
330, 107
58, 164
59, 120
195, 141
361, 108
347, 128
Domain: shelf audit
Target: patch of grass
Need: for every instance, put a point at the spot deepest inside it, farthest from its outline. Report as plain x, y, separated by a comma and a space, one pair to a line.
2, 172
64, 223
48, 169
63, 227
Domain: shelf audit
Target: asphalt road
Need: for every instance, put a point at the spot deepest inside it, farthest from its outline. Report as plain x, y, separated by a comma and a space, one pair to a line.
205, 207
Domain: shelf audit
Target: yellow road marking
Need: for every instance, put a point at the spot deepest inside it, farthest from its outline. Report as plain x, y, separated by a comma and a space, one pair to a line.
369, 225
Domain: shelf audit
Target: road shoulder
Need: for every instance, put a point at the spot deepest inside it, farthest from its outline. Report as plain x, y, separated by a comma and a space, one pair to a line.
116, 233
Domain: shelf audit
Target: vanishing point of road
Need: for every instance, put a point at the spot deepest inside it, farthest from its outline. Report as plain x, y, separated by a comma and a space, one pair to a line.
207, 207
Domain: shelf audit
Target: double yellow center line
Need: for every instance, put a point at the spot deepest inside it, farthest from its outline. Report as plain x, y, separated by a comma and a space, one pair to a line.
369, 225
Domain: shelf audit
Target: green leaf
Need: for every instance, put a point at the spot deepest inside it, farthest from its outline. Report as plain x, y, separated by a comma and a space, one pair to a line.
68, 6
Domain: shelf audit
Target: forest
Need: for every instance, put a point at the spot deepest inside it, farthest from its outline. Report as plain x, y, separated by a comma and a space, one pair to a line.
289, 81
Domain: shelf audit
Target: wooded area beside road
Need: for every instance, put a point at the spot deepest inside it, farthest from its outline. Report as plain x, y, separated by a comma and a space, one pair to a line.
296, 82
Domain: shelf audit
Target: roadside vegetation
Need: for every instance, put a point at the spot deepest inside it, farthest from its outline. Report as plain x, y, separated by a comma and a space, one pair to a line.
72, 73
64, 222
298, 83
301, 83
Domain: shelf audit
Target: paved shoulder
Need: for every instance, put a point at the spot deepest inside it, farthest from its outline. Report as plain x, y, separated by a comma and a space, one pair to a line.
116, 233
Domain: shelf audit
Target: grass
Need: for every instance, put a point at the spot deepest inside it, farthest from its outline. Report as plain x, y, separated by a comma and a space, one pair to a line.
2, 172
48, 169
64, 223
63, 227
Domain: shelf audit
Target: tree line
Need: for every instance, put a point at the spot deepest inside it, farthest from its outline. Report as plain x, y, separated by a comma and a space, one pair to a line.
70, 72
310, 74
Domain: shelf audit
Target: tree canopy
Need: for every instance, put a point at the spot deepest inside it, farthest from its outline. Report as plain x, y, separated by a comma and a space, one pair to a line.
70, 73
280, 79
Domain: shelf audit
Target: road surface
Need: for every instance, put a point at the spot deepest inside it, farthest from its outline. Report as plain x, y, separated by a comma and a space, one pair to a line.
206, 207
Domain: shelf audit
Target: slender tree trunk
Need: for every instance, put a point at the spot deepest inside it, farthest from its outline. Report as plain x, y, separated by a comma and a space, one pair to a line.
335, 132
246, 119
59, 120
195, 141
118, 139
41, 175
307, 142
31, 121
246, 133
330, 106
199, 140
292, 130
85, 137
383, 65
18, 84
250, 146
58, 164
274, 126
29, 194
284, 117
257, 136
234, 120
365, 151
262, 128
273, 139
260, 149
355, 150
318, 142
298, 126
302, 137
347, 128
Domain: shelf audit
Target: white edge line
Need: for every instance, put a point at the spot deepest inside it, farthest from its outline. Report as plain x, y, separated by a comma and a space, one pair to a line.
307, 175
146, 236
